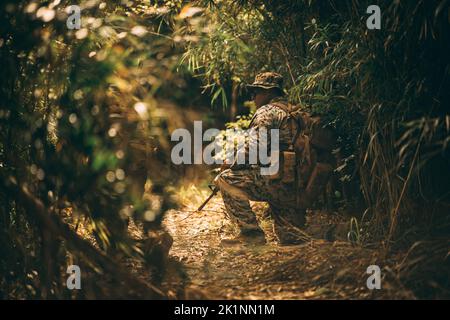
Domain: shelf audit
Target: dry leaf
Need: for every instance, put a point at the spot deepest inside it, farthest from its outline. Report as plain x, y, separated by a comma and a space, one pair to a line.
189, 11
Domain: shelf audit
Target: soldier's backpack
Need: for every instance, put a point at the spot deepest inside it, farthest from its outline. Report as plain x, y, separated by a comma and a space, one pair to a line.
312, 145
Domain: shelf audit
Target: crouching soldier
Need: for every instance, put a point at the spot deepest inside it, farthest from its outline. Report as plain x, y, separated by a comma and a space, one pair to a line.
305, 164
241, 183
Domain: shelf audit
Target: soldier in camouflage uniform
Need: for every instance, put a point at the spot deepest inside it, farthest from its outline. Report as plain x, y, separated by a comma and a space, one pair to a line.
241, 183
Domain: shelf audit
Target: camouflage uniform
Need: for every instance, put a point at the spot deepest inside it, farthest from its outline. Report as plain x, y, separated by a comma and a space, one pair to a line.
242, 183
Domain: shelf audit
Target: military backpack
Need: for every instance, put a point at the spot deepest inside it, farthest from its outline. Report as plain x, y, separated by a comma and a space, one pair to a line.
309, 162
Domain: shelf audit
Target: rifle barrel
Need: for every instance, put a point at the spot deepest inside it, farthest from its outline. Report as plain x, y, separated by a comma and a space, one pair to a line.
213, 193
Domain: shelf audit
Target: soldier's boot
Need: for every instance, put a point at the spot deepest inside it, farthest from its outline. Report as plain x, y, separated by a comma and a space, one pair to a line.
251, 237
288, 238
288, 226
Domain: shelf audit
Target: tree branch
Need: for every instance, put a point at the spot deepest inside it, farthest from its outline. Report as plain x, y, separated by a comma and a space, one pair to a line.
36, 210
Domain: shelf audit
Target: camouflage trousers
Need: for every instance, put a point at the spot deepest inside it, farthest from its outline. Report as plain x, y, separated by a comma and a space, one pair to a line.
239, 186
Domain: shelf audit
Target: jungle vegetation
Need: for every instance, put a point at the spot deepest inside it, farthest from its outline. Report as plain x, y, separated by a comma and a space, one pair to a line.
85, 122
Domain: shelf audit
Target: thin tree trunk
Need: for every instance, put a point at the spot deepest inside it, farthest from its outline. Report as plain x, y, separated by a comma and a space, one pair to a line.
234, 98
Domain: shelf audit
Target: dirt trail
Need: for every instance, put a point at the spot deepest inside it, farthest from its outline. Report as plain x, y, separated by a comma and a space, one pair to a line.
318, 269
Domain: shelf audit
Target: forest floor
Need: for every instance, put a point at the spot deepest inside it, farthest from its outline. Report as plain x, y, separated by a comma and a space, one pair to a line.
328, 266
319, 269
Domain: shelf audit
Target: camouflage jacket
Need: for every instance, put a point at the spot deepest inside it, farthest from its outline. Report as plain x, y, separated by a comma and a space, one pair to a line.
269, 116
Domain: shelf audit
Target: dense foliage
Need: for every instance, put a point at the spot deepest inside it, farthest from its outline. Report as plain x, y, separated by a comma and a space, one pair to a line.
84, 128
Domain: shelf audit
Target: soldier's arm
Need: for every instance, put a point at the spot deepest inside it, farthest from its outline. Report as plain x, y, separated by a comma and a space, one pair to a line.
266, 117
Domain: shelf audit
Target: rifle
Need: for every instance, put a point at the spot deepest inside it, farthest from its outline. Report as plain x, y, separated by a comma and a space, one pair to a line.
214, 190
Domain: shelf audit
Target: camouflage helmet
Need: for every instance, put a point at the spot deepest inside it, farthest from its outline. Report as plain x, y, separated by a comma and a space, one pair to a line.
267, 80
